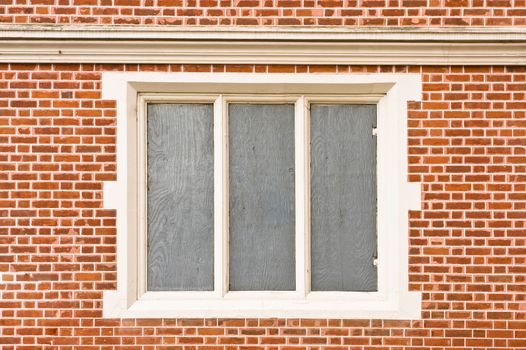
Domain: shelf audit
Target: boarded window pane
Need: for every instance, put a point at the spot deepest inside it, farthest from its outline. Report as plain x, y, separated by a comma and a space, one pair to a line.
343, 197
180, 197
261, 153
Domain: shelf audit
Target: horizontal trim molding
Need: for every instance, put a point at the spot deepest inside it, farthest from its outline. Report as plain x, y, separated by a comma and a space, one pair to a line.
262, 45
288, 33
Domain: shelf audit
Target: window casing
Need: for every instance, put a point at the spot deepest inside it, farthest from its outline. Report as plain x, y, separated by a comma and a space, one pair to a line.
389, 93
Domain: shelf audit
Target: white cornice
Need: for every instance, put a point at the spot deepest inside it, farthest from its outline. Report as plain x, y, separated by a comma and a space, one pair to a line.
293, 33
263, 45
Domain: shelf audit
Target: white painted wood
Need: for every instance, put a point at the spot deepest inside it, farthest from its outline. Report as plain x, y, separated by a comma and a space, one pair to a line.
263, 45
289, 53
393, 307
302, 198
326, 33
111, 201
392, 299
225, 199
142, 207
220, 215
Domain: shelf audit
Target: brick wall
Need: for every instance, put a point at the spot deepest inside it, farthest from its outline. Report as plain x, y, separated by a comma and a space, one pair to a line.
467, 245
267, 12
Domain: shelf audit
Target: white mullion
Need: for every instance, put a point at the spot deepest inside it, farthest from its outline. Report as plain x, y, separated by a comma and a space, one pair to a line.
142, 242
226, 199
220, 258
301, 197
307, 206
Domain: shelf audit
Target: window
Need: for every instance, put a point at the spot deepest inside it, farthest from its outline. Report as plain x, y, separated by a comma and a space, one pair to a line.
246, 195
333, 249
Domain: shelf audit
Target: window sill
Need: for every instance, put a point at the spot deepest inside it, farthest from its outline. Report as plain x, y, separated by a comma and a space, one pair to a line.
404, 305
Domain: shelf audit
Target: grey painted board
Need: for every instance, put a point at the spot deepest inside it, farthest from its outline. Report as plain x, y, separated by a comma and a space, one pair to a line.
180, 197
261, 219
343, 198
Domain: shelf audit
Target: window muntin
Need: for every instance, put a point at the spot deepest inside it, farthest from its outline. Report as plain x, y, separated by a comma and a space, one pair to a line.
230, 105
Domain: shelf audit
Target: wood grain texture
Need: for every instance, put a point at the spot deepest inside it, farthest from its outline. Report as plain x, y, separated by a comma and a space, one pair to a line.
180, 197
261, 148
343, 198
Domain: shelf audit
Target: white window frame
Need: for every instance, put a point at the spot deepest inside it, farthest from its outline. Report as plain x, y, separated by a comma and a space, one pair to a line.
390, 92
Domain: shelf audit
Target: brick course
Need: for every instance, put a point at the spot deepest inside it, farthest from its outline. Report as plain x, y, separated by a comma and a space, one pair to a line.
467, 146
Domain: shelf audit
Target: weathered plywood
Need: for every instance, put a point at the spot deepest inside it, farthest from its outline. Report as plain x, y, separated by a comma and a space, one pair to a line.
180, 197
261, 152
343, 197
